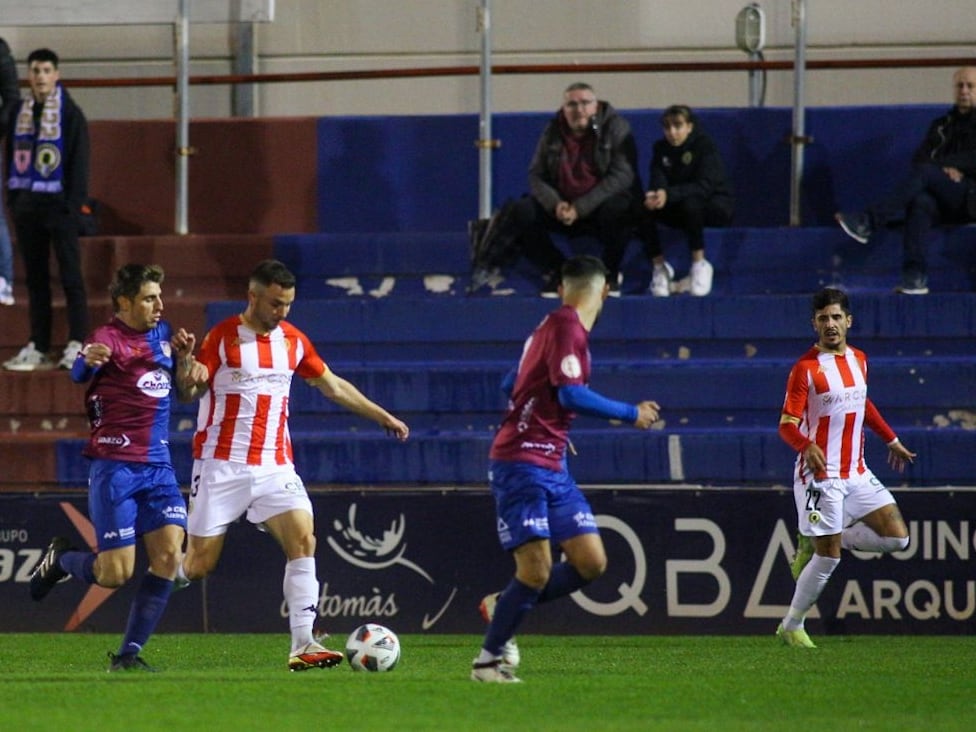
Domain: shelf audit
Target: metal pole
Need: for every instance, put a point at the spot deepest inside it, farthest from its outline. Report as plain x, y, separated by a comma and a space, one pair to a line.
798, 139
755, 88
242, 95
485, 143
183, 150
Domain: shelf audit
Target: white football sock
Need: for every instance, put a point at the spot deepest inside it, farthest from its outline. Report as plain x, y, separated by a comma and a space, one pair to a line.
301, 589
862, 537
809, 585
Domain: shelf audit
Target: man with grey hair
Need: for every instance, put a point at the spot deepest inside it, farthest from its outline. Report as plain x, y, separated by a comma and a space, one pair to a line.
583, 182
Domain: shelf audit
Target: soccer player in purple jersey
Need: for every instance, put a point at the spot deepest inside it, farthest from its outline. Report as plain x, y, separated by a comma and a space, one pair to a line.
131, 362
536, 498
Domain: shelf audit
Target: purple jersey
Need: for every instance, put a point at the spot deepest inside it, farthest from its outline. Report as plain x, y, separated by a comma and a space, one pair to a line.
128, 401
536, 427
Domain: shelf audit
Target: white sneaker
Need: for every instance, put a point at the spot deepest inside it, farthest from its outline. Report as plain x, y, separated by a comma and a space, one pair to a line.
69, 354
6, 292
493, 672
29, 359
661, 280
511, 655
701, 277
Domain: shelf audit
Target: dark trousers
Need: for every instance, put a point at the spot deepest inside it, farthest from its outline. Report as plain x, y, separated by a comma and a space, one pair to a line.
611, 223
690, 215
926, 198
39, 229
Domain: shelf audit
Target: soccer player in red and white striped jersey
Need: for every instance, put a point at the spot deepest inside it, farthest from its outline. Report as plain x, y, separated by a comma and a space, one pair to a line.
243, 460
840, 504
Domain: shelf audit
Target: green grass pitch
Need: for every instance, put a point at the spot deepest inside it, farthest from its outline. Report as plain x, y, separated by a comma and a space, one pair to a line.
240, 682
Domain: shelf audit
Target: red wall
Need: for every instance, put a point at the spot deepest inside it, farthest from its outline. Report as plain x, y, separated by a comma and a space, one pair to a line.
247, 176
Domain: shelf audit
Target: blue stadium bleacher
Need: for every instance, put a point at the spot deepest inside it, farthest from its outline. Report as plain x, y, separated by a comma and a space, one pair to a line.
382, 293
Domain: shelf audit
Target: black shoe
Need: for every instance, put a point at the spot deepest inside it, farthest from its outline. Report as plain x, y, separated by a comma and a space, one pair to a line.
129, 662
855, 225
48, 572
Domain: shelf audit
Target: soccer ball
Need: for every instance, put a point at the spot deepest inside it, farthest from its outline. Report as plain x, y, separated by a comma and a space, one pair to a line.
372, 647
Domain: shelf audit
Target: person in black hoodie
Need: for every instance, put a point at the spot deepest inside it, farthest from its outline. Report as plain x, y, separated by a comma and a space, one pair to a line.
941, 187
688, 189
47, 185
582, 181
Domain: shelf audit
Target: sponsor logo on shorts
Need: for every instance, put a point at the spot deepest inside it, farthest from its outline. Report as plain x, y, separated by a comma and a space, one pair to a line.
539, 524
585, 520
504, 532
174, 512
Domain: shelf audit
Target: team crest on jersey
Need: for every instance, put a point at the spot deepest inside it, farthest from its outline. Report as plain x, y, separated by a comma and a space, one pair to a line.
167, 349
570, 366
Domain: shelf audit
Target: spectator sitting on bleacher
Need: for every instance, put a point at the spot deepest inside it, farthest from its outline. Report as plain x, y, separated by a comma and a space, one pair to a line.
689, 190
940, 189
582, 180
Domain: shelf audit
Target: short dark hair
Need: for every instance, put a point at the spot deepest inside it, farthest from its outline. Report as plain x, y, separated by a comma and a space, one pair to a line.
830, 296
678, 110
583, 267
272, 272
578, 86
43, 54
130, 278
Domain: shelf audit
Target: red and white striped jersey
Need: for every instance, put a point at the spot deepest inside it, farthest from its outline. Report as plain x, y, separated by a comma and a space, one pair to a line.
243, 417
828, 393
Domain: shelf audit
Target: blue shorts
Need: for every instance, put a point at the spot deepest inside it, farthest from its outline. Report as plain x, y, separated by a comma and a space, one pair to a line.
537, 503
127, 500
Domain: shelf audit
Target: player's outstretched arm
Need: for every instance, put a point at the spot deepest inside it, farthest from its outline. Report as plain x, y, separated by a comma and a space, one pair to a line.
345, 394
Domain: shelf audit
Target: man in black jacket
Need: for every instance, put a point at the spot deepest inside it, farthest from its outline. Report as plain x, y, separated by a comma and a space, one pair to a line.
940, 189
47, 184
582, 181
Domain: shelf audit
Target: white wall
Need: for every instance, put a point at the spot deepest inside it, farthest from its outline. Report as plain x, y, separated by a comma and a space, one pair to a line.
340, 35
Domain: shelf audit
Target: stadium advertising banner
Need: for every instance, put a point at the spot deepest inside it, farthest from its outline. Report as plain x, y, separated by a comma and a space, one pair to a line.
680, 561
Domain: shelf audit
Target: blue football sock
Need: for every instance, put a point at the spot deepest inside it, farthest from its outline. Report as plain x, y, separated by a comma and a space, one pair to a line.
80, 565
147, 608
514, 602
563, 580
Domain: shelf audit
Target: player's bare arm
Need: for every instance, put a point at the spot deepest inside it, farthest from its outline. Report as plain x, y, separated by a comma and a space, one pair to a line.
192, 377
345, 394
899, 455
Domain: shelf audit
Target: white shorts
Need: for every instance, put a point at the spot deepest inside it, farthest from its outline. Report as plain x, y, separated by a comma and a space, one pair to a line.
221, 492
828, 506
